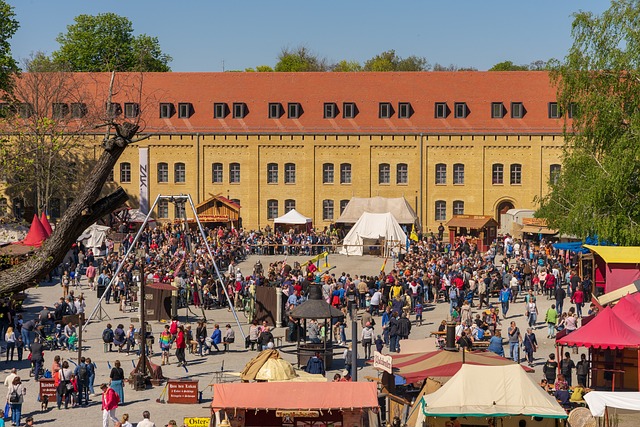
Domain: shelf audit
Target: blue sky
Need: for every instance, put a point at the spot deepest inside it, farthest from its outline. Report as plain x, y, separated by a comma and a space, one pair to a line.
202, 34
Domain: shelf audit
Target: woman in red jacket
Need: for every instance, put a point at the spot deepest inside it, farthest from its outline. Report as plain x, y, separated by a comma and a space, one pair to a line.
181, 345
578, 299
110, 402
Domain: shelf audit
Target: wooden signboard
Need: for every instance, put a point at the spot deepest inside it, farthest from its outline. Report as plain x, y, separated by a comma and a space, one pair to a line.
47, 388
183, 391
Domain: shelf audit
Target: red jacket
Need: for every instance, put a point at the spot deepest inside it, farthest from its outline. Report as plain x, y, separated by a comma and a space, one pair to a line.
110, 399
180, 342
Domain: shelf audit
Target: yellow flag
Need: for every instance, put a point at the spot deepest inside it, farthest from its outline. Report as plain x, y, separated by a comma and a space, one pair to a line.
413, 236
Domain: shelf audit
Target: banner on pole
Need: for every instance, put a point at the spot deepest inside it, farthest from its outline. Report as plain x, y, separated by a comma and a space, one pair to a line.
144, 179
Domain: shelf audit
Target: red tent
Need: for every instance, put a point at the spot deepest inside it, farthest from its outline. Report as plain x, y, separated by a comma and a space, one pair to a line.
45, 224
36, 234
607, 330
441, 363
628, 308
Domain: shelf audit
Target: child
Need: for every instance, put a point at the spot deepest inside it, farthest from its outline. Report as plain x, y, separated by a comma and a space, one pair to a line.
379, 344
1, 418
73, 340
418, 310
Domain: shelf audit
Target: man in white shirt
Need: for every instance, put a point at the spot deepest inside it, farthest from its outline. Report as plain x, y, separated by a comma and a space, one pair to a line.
146, 422
9, 380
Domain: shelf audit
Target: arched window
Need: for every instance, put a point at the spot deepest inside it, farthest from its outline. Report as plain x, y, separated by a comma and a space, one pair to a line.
272, 209
234, 173
402, 173
163, 172
289, 205
441, 174
217, 174
343, 205
327, 173
516, 174
497, 174
180, 173
345, 173
125, 172
272, 173
289, 173
441, 210
458, 207
327, 210
384, 173
458, 174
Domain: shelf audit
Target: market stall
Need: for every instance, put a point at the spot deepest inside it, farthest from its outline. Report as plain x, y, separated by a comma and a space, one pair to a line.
477, 229
615, 266
293, 220
296, 404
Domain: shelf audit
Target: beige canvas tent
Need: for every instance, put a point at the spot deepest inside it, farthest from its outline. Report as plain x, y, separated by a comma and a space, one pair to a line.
398, 207
379, 230
480, 393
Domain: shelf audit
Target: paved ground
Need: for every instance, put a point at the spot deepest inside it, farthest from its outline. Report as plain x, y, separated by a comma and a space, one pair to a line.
201, 368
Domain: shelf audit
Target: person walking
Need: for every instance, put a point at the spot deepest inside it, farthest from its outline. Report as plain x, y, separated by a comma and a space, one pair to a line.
91, 367
181, 345
549, 369
165, 341
110, 402
582, 370
10, 339
532, 312
82, 375
530, 345
367, 340
515, 338
578, 299
15, 398
201, 336
551, 317
566, 367
117, 378
65, 387
505, 297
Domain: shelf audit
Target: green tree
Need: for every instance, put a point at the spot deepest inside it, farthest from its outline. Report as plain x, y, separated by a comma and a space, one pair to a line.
508, 66
598, 189
390, 61
8, 27
452, 67
259, 69
347, 66
298, 60
105, 42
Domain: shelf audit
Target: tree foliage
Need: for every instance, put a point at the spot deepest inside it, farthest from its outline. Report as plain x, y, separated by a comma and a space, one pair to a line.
390, 61
508, 66
105, 42
299, 59
598, 190
452, 67
345, 66
8, 27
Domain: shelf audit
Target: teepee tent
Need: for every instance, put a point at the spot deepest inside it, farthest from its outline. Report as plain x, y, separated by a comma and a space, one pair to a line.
36, 234
45, 224
374, 229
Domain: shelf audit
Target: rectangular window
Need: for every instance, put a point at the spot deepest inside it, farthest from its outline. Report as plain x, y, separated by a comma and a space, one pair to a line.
113, 109
345, 173
272, 173
554, 111
131, 110
78, 110
327, 210
441, 174
441, 210
554, 173
163, 172
402, 173
272, 209
180, 211
442, 111
497, 110
349, 110
458, 207
517, 110
289, 173
294, 110
516, 174
166, 110
234, 173
60, 109
404, 110
330, 110
125, 172
497, 175
327, 173
384, 173
25, 110
185, 109
460, 110
572, 110
216, 173
289, 205
275, 110
458, 174
180, 173
219, 110
385, 111
343, 205
163, 209
239, 110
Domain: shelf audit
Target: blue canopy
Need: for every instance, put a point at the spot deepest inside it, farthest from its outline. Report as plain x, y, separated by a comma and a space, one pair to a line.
571, 246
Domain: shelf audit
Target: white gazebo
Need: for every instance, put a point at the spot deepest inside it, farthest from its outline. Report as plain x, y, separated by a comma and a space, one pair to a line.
294, 219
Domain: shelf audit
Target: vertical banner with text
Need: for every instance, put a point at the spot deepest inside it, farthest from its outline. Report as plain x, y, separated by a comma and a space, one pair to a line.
144, 180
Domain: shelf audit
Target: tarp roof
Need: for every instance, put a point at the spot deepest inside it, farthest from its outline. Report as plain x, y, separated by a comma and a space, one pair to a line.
36, 234
295, 395
617, 254
399, 208
441, 363
45, 224
373, 226
599, 400
606, 330
268, 365
472, 221
537, 229
629, 310
292, 217
480, 391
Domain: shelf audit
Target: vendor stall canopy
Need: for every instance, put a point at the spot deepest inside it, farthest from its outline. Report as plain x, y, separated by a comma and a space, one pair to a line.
606, 330
398, 207
623, 402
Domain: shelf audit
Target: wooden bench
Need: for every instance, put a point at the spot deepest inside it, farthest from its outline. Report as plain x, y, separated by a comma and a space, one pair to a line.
277, 340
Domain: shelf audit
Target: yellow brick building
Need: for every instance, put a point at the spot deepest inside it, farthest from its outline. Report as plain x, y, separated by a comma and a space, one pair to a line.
464, 142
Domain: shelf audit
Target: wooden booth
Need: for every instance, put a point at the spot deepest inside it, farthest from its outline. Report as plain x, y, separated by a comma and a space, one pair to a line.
296, 404
478, 229
219, 210
158, 300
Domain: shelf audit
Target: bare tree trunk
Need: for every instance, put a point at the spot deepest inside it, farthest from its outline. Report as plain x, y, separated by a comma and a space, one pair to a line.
83, 212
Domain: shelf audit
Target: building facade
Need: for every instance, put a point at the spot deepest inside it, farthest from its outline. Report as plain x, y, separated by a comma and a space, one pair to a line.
475, 143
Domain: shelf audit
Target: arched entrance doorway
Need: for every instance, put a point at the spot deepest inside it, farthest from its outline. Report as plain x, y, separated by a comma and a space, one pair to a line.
503, 207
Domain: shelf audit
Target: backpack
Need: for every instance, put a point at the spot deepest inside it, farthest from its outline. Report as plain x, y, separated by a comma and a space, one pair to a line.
453, 292
173, 329
107, 335
100, 280
14, 397
83, 373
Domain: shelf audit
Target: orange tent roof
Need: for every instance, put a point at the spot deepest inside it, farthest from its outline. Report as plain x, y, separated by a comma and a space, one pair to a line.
295, 395
45, 224
36, 234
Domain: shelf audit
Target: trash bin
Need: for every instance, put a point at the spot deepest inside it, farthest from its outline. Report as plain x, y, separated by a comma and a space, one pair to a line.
101, 289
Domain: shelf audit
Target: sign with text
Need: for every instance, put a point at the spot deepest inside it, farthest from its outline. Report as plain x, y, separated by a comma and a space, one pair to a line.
183, 391
47, 388
197, 422
144, 179
297, 414
384, 362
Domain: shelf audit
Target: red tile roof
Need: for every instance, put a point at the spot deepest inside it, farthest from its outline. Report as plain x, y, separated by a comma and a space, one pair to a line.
367, 89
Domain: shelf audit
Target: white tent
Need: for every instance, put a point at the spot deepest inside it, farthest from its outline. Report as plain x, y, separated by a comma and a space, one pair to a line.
372, 229
490, 391
94, 236
399, 208
621, 401
292, 217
